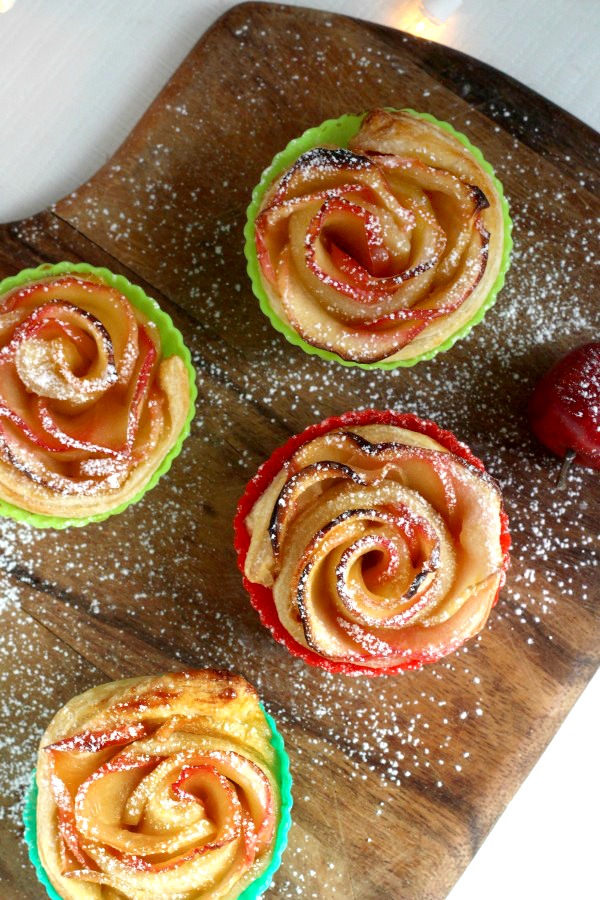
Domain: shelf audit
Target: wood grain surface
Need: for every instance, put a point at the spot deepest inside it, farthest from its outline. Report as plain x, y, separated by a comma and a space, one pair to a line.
397, 780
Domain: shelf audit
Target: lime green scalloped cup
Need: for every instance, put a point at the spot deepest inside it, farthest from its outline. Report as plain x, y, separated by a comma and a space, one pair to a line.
338, 132
172, 345
256, 888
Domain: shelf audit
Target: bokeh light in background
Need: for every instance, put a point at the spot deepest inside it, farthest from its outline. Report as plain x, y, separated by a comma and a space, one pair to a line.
425, 18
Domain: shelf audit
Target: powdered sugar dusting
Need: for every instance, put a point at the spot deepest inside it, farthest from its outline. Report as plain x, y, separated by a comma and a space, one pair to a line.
158, 585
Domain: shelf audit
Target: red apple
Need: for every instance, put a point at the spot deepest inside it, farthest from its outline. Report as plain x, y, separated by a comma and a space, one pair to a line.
564, 409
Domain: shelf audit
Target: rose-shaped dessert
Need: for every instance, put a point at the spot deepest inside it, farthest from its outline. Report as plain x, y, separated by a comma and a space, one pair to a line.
164, 786
385, 249
373, 542
90, 404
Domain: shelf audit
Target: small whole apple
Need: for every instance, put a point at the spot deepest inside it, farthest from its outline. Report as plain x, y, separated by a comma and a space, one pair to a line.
564, 409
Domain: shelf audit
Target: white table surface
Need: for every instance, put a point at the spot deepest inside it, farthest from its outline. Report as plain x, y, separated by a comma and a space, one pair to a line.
72, 87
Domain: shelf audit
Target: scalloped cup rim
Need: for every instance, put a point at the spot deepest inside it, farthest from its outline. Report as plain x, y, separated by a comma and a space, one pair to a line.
312, 137
171, 341
261, 597
254, 890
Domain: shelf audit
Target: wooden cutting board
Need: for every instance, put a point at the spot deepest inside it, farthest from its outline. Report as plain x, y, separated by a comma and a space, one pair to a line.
397, 780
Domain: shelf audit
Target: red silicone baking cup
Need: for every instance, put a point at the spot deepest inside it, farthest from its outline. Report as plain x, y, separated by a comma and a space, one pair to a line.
262, 597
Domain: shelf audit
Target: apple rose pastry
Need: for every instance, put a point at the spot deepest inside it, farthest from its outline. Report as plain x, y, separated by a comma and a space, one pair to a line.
90, 405
375, 542
385, 249
163, 786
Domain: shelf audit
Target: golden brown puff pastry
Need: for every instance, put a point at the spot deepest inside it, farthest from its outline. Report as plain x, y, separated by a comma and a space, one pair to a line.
158, 787
383, 250
381, 547
88, 405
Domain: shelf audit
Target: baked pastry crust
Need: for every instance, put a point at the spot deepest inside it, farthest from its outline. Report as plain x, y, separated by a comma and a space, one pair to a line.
160, 786
88, 406
381, 547
382, 251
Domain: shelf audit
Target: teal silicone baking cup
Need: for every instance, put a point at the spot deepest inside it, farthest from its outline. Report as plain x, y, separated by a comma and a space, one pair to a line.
255, 889
172, 345
339, 132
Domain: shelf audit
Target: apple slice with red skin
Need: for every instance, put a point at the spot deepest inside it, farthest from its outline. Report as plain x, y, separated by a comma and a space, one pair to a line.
256, 790
405, 608
17, 403
271, 223
125, 878
94, 741
286, 504
88, 744
368, 281
67, 830
443, 302
332, 310
101, 798
100, 300
113, 432
255, 793
423, 545
467, 199
89, 432
326, 168
377, 339
379, 303
564, 409
375, 457
357, 342
235, 792
317, 177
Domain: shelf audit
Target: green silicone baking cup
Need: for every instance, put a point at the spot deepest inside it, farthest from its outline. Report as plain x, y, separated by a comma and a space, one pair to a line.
255, 889
339, 132
172, 345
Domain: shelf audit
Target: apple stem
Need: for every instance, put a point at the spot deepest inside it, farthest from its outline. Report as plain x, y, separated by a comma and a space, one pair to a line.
561, 484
